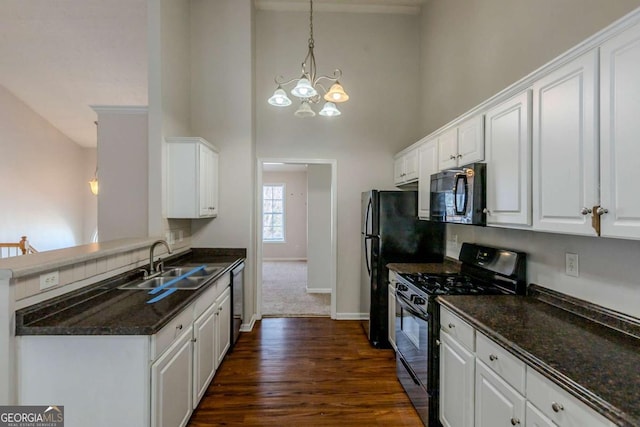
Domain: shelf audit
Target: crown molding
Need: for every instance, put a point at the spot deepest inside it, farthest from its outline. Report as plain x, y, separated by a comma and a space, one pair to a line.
402, 7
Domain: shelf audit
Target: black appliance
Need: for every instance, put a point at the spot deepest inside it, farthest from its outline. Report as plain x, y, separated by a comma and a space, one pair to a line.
391, 232
484, 271
237, 301
459, 195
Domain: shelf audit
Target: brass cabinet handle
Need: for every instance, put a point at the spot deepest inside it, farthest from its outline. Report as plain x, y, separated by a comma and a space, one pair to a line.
585, 211
601, 211
515, 421
451, 326
557, 407
493, 357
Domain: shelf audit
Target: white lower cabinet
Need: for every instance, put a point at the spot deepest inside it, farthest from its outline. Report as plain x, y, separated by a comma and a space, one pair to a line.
392, 311
457, 376
223, 328
503, 391
171, 384
497, 403
131, 380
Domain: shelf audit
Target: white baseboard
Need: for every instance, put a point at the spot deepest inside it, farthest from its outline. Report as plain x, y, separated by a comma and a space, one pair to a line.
248, 327
283, 259
352, 316
319, 290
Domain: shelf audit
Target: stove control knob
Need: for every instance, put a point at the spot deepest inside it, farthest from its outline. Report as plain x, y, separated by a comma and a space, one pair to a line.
419, 301
402, 287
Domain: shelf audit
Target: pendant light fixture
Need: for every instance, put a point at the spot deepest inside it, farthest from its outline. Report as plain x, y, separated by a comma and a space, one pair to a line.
308, 87
93, 184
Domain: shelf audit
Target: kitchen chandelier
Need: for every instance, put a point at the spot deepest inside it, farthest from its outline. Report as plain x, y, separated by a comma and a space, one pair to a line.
308, 88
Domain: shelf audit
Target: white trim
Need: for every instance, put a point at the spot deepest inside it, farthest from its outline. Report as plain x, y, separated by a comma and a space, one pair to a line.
352, 316
120, 109
191, 139
524, 83
248, 327
334, 215
401, 7
318, 290
282, 259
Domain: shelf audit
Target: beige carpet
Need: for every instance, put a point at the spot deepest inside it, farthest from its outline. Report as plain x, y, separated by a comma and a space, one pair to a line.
284, 292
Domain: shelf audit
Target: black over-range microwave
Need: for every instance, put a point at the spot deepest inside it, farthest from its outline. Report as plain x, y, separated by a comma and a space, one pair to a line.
459, 195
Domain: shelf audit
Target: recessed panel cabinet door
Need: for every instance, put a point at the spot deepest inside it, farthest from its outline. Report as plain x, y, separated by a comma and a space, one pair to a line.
497, 403
620, 134
565, 147
457, 370
223, 325
204, 356
428, 165
508, 158
471, 141
448, 149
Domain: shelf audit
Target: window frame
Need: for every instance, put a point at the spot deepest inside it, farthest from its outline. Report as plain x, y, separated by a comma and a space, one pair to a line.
283, 213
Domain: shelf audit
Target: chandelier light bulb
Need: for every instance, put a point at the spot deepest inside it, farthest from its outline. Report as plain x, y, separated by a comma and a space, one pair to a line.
329, 110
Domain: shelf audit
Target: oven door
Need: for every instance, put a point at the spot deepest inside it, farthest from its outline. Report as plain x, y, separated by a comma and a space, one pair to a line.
412, 339
412, 365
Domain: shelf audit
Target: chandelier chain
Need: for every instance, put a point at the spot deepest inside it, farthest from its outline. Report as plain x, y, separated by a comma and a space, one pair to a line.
311, 42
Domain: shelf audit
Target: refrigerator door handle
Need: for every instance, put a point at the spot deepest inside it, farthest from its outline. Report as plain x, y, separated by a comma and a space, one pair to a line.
366, 219
366, 249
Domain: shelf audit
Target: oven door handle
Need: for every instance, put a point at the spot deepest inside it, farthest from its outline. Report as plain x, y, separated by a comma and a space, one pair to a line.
406, 304
409, 371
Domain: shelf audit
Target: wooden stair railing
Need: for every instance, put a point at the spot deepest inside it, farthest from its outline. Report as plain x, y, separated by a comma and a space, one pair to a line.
14, 249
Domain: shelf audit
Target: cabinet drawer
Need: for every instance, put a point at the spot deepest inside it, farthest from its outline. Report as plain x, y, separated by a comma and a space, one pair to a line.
171, 331
509, 367
457, 328
209, 296
558, 405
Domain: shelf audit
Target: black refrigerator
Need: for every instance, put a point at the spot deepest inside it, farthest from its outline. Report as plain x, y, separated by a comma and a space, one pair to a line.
391, 232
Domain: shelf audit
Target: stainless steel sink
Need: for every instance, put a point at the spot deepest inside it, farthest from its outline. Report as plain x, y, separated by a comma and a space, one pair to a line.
156, 282
193, 281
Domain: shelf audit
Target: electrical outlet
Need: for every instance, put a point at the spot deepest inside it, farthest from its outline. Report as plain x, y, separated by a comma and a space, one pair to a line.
49, 280
571, 264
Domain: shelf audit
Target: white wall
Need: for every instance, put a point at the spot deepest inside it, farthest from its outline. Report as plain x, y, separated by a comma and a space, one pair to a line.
295, 245
222, 82
122, 172
471, 50
319, 219
45, 193
169, 28
378, 55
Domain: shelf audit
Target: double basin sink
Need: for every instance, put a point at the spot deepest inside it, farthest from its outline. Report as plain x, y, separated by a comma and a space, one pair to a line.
183, 277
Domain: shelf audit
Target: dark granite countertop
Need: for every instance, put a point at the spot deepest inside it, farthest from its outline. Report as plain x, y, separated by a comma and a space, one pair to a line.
585, 356
447, 266
102, 309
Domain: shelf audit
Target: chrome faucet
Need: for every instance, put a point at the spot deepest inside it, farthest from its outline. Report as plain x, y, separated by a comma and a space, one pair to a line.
152, 268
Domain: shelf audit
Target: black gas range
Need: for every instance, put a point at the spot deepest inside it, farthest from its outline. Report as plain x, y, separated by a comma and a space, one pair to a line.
484, 271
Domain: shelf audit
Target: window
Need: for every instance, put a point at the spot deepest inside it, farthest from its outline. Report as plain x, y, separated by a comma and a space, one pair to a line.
273, 213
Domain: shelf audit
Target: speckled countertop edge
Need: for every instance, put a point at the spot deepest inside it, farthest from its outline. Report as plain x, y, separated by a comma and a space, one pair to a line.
449, 265
586, 396
171, 307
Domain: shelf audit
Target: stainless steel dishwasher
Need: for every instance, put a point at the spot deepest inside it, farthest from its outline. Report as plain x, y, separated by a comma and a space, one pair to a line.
237, 300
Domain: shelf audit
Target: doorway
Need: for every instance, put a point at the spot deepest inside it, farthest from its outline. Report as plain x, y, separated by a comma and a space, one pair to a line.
296, 238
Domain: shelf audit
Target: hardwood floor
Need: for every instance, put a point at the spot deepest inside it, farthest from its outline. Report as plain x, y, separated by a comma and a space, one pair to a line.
306, 372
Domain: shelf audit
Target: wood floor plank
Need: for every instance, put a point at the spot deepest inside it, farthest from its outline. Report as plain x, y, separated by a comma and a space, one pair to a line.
306, 372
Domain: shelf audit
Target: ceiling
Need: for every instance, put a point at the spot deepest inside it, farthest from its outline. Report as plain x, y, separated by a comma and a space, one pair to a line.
62, 56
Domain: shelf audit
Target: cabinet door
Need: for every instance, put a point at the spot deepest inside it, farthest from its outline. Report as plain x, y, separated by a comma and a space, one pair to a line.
457, 370
535, 418
497, 403
223, 325
207, 168
619, 131
428, 165
565, 147
392, 313
398, 170
448, 149
471, 141
204, 353
172, 384
508, 158
411, 165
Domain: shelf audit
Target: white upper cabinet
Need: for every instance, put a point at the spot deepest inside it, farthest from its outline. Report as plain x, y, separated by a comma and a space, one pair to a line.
565, 147
462, 145
192, 178
405, 167
619, 135
508, 159
428, 165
